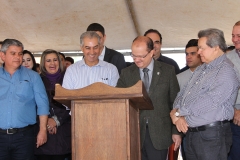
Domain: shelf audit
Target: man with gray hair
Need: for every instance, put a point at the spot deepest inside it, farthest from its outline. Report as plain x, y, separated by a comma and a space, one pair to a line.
1, 61
90, 69
22, 97
106, 54
203, 108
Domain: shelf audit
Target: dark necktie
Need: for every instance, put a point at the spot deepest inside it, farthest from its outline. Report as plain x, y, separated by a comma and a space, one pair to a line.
146, 78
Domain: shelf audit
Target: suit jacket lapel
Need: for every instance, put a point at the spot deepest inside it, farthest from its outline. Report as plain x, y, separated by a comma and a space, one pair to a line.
107, 55
155, 76
135, 74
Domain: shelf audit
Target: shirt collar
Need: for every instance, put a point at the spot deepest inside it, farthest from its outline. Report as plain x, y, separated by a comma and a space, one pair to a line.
100, 63
238, 52
160, 58
216, 61
150, 66
102, 53
2, 69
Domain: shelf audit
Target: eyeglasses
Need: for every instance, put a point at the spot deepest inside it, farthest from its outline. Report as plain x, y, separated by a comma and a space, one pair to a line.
133, 56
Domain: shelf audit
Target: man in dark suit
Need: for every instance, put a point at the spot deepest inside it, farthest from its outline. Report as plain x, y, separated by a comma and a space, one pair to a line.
156, 129
156, 37
108, 55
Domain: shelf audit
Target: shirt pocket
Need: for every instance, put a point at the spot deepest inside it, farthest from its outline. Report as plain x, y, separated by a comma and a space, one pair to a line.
24, 90
103, 80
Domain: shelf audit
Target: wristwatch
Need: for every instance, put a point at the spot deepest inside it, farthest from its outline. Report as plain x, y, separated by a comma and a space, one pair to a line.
177, 113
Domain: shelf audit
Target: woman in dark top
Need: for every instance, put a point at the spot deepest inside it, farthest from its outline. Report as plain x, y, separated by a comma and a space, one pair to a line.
59, 122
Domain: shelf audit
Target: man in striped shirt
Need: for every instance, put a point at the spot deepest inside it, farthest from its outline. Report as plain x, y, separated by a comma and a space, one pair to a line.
90, 69
203, 108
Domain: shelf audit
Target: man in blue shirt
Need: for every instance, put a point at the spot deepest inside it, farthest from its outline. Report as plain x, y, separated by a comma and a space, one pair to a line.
1, 62
22, 95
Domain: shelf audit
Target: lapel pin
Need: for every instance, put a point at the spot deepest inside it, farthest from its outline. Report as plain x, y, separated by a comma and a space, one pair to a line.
158, 73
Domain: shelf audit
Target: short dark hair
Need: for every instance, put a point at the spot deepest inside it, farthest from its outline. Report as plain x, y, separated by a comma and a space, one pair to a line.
62, 55
1, 42
154, 31
96, 27
230, 48
33, 59
70, 59
192, 43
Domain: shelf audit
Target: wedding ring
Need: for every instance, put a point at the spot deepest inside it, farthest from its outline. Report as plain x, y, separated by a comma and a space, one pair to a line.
48, 126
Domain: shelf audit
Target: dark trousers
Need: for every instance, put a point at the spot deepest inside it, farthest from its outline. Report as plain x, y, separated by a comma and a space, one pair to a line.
149, 152
18, 146
51, 157
212, 144
235, 149
183, 146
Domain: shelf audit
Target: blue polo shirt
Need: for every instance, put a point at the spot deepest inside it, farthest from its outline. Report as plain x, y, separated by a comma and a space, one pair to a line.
22, 98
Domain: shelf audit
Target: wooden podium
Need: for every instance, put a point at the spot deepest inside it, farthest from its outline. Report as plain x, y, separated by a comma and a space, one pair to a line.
105, 120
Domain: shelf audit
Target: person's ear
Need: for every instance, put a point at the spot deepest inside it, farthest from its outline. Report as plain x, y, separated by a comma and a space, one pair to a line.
2, 56
104, 38
151, 53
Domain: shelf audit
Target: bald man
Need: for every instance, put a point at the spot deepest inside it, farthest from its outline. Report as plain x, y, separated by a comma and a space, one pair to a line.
156, 129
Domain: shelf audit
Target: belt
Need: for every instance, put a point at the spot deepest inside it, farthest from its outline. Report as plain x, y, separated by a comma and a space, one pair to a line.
15, 130
204, 127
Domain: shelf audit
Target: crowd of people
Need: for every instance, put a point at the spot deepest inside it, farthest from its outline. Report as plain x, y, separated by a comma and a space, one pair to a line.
197, 107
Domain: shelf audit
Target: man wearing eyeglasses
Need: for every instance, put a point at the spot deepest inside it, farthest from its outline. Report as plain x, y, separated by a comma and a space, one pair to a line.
157, 41
156, 129
203, 108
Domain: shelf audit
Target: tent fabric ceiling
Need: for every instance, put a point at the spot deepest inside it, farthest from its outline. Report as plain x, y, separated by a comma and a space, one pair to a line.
57, 24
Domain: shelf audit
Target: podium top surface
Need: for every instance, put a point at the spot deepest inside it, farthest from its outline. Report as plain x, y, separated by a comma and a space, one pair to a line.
97, 91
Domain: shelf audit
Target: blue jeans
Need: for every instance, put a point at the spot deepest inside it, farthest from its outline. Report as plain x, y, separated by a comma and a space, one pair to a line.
235, 149
18, 146
212, 144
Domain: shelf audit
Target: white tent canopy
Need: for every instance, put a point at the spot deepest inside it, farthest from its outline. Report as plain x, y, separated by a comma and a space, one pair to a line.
57, 24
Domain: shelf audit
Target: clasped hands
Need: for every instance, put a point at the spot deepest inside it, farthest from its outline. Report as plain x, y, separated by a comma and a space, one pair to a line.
180, 122
51, 126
